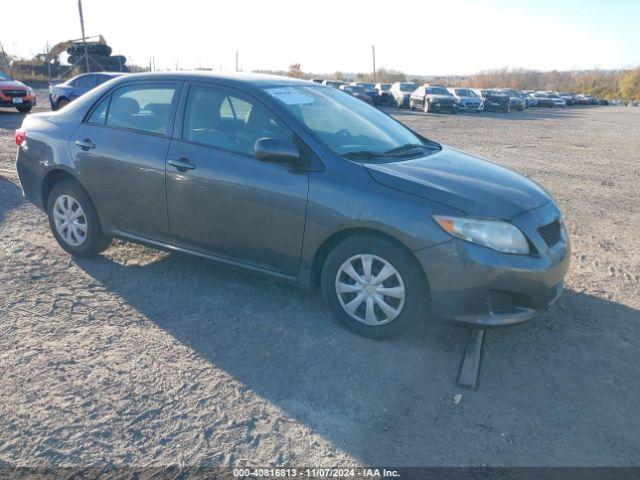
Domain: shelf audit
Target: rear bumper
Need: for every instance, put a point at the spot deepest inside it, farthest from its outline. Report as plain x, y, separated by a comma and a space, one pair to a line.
479, 287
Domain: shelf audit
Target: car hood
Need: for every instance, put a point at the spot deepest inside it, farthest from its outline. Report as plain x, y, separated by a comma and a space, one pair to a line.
12, 84
467, 183
469, 99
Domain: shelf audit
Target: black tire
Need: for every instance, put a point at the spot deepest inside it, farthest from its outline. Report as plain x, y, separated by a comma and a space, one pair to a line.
63, 102
426, 106
25, 109
416, 292
95, 241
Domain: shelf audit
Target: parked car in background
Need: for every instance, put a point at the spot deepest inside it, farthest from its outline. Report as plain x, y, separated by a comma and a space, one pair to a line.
516, 99
383, 91
603, 101
317, 80
400, 93
433, 98
358, 92
333, 83
550, 99
301, 182
530, 98
370, 89
568, 97
494, 101
468, 99
61, 94
543, 99
15, 94
586, 99
556, 99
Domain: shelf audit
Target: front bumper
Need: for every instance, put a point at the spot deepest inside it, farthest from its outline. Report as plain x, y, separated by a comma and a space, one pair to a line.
8, 102
479, 287
470, 108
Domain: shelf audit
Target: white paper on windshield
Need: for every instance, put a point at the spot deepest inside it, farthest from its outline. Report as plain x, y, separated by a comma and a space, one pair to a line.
290, 96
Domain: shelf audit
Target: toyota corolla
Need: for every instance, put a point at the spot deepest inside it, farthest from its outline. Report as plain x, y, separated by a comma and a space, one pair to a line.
302, 182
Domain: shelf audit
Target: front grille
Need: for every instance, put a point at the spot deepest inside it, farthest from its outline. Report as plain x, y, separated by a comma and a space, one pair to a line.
14, 93
551, 233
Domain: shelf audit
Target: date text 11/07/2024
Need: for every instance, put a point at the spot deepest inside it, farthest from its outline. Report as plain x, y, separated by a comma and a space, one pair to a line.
315, 472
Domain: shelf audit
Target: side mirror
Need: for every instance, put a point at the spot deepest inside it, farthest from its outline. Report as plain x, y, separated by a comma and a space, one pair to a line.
276, 150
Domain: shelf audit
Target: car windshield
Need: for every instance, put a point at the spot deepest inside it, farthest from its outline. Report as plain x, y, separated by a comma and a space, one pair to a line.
465, 92
349, 126
385, 87
552, 95
438, 91
367, 86
407, 87
5, 77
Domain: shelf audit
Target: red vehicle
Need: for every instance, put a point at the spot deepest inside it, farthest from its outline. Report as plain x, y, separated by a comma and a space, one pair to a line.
15, 94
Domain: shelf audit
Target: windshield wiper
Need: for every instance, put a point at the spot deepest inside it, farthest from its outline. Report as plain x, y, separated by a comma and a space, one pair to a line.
362, 154
409, 146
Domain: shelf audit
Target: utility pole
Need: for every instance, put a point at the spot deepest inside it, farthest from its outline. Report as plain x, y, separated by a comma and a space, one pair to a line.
237, 61
373, 51
84, 40
46, 49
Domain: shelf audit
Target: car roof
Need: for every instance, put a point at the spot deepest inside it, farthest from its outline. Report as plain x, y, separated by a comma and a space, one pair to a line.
259, 80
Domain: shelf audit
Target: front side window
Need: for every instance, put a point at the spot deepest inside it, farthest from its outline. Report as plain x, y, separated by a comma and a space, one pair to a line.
142, 107
217, 118
345, 124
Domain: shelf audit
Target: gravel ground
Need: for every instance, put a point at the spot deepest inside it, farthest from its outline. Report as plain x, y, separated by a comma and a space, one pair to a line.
141, 357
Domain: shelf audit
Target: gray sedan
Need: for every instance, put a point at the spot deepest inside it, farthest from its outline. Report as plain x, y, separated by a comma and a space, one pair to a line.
301, 182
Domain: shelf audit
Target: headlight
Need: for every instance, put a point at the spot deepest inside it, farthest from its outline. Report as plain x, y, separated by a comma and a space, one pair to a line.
496, 234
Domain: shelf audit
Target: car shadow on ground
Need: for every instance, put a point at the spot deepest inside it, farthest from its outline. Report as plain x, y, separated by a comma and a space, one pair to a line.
10, 197
562, 388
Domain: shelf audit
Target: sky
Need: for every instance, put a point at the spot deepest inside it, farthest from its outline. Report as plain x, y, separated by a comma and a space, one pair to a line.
445, 37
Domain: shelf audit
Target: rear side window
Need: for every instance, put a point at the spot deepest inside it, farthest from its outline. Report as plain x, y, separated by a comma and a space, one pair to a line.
99, 114
142, 107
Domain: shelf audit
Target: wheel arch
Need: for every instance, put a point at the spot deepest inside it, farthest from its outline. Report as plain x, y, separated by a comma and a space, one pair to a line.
330, 242
54, 177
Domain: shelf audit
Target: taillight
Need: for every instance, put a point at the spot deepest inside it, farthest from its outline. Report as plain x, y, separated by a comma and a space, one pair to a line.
21, 136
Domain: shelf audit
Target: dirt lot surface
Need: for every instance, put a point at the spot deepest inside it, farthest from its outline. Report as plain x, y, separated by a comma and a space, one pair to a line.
148, 358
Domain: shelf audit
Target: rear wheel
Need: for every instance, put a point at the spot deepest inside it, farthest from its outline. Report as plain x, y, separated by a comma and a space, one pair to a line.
373, 286
74, 220
24, 109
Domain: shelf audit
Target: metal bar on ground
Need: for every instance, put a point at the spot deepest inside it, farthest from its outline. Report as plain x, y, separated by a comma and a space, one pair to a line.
470, 370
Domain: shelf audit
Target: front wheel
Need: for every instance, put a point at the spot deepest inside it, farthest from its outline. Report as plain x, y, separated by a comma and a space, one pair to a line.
74, 221
426, 106
24, 109
374, 287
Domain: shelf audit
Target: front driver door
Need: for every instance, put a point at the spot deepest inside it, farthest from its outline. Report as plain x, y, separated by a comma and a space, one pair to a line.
225, 202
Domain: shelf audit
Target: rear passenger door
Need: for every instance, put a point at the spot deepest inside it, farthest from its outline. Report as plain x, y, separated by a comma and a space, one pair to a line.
223, 201
119, 151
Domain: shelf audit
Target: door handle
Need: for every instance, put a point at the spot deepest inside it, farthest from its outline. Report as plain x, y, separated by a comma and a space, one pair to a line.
183, 164
85, 144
